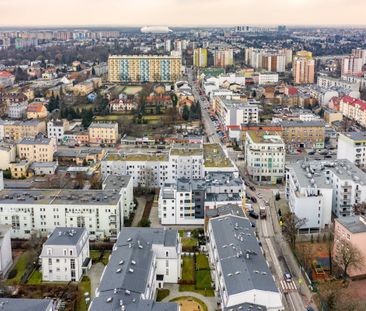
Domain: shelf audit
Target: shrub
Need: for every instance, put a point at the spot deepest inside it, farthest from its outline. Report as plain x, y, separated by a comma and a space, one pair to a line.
12, 274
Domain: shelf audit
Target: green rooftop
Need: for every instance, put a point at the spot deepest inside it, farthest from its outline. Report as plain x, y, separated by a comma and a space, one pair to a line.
136, 157
186, 151
215, 157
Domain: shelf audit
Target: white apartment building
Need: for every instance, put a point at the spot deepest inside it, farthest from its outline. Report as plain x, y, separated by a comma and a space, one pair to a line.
316, 189
57, 128
101, 212
17, 110
65, 255
192, 161
235, 112
265, 157
186, 201
354, 109
309, 196
330, 82
266, 78
142, 260
241, 273
6, 257
352, 146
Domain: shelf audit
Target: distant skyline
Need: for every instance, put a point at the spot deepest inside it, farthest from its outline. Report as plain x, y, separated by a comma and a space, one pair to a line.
181, 12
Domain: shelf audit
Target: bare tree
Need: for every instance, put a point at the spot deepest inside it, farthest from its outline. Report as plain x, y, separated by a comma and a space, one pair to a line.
359, 208
330, 245
348, 256
291, 226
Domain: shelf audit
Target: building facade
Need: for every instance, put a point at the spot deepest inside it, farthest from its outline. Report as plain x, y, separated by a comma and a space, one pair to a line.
143, 68
103, 133
37, 149
200, 57
65, 255
303, 67
352, 146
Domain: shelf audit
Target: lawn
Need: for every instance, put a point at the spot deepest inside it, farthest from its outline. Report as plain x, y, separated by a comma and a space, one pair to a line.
202, 262
189, 242
20, 268
35, 278
162, 293
203, 279
84, 287
188, 269
95, 256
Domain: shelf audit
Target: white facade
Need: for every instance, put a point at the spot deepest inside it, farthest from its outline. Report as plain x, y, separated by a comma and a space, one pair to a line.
267, 78
352, 146
64, 253
17, 110
6, 258
100, 211
7, 155
56, 129
265, 157
329, 82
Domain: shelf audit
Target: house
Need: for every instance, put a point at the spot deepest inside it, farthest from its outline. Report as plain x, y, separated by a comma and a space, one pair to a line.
7, 155
17, 110
241, 273
36, 110
24, 304
65, 255
103, 132
57, 128
6, 259
6, 79
44, 168
142, 260
20, 169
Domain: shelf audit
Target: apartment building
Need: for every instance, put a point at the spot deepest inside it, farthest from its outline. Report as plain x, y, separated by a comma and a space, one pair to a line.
309, 196
20, 169
6, 257
142, 260
240, 271
36, 110
86, 87
316, 189
144, 68
235, 112
57, 128
7, 155
303, 68
327, 82
265, 156
18, 130
103, 133
352, 146
303, 134
351, 65
37, 149
223, 57
354, 109
192, 161
15, 304
65, 255
353, 230
186, 201
101, 212
17, 110
200, 57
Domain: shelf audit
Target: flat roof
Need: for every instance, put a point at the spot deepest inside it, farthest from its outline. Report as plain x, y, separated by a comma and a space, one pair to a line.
215, 157
356, 136
354, 224
265, 137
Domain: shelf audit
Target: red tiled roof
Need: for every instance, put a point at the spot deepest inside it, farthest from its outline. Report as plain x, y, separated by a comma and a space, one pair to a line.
5, 74
35, 107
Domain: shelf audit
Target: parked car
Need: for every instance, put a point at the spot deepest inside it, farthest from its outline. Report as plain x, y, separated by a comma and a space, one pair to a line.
252, 223
252, 188
254, 199
253, 214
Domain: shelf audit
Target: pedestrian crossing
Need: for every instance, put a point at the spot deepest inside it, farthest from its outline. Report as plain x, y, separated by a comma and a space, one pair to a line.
288, 286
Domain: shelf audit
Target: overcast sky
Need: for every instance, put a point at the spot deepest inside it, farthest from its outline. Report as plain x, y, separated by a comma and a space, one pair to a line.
181, 12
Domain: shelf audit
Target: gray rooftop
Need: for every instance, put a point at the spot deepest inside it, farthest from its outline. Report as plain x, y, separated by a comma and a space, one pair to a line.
243, 265
116, 182
102, 125
295, 123
354, 224
126, 276
35, 141
228, 209
22, 304
356, 136
314, 172
246, 307
65, 236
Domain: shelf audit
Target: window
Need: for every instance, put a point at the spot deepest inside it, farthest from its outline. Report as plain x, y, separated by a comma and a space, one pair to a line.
166, 254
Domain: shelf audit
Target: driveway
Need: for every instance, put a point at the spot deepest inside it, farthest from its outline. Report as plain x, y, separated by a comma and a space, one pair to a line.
95, 274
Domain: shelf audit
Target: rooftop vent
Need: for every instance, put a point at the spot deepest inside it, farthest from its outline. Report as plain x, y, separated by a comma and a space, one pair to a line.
130, 270
118, 270
109, 299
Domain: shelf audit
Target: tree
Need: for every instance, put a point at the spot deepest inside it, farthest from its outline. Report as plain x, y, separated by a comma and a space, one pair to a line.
95, 182
185, 113
20, 75
93, 71
174, 98
359, 208
144, 222
348, 256
330, 245
278, 196
86, 117
290, 227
